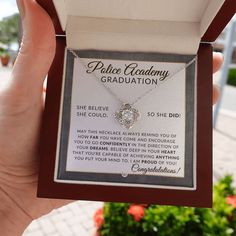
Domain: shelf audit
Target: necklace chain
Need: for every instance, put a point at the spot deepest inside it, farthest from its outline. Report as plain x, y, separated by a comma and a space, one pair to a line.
142, 95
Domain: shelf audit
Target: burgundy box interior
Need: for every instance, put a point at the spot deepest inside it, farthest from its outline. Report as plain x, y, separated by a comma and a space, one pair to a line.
202, 196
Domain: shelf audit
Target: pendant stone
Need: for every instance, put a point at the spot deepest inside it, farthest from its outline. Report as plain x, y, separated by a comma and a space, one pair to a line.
127, 116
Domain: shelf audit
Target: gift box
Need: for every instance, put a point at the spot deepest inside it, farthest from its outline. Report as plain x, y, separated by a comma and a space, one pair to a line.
151, 29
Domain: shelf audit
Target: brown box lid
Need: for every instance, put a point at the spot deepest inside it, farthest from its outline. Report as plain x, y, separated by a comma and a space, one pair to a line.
222, 18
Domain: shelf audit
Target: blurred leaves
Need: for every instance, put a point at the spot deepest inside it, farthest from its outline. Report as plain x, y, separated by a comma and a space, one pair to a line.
232, 77
9, 28
176, 221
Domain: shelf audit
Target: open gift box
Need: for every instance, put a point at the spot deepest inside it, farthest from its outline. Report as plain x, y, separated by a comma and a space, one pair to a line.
115, 30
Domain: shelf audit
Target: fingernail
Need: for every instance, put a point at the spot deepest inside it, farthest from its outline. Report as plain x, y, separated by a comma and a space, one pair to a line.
21, 7
219, 53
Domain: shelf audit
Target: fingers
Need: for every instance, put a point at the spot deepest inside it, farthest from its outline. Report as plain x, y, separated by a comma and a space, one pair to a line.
37, 48
217, 61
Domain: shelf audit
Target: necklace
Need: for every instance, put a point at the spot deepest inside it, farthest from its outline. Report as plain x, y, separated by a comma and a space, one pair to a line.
128, 115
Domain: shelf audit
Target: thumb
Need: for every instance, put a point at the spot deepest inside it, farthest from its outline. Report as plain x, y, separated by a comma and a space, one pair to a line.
37, 48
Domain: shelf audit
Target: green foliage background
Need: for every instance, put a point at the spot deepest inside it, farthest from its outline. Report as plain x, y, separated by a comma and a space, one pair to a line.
232, 77
175, 221
9, 29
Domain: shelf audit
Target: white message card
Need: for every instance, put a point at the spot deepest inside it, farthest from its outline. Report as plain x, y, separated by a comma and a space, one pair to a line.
128, 119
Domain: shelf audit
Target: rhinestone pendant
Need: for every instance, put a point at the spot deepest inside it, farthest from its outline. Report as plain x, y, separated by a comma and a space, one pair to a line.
127, 116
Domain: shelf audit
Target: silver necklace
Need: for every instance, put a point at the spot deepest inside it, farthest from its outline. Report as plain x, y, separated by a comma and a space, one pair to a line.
128, 115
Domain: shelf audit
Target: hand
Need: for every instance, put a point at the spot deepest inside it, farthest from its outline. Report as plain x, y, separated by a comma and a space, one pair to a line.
21, 107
